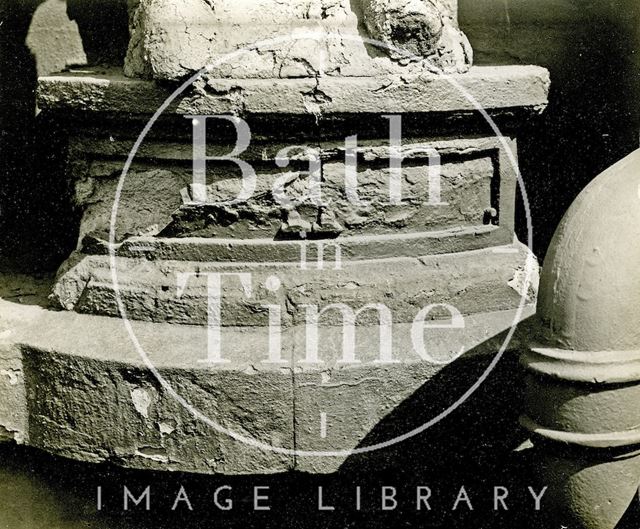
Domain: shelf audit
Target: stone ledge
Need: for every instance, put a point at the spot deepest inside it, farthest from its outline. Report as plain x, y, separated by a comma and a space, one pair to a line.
80, 375
355, 248
499, 88
484, 280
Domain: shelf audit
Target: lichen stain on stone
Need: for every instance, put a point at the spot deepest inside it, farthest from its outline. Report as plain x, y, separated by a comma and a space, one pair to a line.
141, 401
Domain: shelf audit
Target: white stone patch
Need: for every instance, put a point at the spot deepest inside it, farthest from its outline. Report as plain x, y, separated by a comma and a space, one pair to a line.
11, 434
141, 401
323, 425
12, 374
166, 428
154, 454
520, 284
250, 370
5, 434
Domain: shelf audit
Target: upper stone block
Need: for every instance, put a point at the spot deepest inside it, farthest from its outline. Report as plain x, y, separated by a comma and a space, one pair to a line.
171, 39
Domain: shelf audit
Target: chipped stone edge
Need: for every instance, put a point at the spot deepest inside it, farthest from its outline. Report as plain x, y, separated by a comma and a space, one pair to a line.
494, 88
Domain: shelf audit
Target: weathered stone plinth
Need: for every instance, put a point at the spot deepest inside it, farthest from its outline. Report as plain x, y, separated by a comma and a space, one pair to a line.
77, 372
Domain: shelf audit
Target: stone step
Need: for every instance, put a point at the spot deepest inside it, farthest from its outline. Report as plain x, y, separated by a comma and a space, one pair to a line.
483, 280
75, 385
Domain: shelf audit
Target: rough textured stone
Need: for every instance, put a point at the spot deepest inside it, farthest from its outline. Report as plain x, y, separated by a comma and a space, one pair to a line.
405, 256
79, 375
13, 416
469, 169
467, 176
467, 197
495, 89
170, 40
484, 280
262, 250
95, 195
422, 28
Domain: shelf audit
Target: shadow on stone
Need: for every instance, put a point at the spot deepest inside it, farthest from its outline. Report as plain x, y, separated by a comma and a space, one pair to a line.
473, 447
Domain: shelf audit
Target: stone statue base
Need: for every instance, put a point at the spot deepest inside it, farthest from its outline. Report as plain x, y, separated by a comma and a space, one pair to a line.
310, 38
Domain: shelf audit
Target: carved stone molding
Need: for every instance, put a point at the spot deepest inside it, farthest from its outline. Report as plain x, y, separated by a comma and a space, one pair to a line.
584, 368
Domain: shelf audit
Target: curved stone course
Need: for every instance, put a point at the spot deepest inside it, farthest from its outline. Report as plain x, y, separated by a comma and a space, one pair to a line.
80, 389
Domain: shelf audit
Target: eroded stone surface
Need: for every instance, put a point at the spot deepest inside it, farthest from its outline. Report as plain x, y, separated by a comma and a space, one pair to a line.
465, 184
496, 89
170, 40
13, 415
470, 281
159, 202
422, 28
75, 416
469, 259
87, 394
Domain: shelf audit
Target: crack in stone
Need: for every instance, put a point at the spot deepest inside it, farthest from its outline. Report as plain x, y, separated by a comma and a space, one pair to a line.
342, 384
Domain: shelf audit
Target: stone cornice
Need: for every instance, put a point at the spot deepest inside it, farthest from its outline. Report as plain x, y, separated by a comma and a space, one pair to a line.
495, 89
